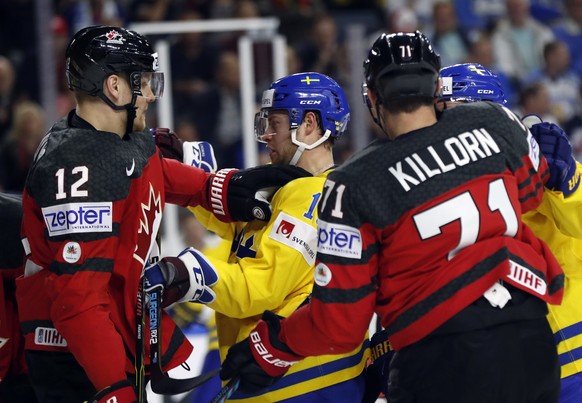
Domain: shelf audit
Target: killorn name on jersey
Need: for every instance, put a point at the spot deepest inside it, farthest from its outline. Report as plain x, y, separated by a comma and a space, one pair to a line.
451, 154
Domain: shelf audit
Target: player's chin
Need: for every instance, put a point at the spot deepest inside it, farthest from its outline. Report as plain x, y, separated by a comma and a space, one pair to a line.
139, 124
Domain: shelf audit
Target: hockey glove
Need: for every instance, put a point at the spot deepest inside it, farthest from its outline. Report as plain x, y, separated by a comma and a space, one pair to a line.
235, 195
199, 154
169, 143
120, 392
377, 371
261, 359
557, 150
187, 277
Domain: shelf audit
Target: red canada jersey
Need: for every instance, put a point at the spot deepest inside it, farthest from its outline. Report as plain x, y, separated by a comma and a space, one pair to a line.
418, 228
92, 208
11, 266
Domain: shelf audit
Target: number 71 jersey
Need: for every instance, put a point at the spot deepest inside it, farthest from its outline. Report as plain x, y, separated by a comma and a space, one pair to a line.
434, 219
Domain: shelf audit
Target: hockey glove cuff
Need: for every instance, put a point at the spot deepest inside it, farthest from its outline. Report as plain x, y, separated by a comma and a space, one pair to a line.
236, 195
188, 277
261, 359
557, 150
382, 354
200, 154
120, 392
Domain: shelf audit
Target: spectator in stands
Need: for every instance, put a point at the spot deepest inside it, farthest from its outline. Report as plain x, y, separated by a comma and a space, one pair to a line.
7, 79
561, 81
448, 38
18, 148
519, 40
535, 99
323, 52
481, 52
569, 30
194, 60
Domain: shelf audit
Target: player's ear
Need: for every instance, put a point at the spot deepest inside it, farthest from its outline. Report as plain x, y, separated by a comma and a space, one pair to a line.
112, 86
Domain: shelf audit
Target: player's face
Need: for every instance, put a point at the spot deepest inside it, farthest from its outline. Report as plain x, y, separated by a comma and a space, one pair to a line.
277, 136
142, 102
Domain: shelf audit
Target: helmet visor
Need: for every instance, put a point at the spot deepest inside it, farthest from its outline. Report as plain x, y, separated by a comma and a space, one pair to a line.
269, 122
261, 125
148, 84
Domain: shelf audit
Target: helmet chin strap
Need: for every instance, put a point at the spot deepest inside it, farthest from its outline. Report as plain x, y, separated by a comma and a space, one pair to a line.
301, 146
130, 108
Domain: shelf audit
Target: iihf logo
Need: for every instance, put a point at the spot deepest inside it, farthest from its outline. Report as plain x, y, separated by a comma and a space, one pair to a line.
285, 228
114, 37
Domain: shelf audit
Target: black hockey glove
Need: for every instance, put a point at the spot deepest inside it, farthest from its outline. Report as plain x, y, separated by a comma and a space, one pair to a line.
260, 359
377, 371
241, 195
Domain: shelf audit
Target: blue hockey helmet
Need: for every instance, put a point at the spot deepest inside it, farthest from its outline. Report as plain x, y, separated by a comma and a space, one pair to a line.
470, 82
303, 92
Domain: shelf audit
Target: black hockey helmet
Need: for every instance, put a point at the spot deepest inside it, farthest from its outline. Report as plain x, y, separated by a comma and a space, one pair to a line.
401, 65
96, 52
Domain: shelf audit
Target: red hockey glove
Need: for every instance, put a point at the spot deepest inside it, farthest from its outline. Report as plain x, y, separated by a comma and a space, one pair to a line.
169, 143
235, 195
199, 154
120, 392
188, 277
261, 359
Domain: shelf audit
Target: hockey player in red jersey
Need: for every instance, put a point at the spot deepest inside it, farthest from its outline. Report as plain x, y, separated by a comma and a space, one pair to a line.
92, 207
14, 384
424, 228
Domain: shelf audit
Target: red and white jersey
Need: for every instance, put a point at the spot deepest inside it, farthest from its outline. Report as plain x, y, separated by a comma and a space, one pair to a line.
418, 228
92, 205
11, 266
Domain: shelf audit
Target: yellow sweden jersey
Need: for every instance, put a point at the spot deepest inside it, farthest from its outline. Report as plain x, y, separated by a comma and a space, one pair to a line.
271, 267
558, 222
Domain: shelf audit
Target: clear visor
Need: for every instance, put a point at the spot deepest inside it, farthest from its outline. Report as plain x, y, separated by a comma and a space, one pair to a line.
261, 125
148, 84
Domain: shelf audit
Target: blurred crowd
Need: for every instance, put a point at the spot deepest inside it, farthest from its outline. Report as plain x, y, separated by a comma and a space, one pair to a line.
534, 46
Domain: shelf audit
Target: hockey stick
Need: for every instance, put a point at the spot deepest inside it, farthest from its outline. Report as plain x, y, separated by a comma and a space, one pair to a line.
161, 383
227, 391
139, 345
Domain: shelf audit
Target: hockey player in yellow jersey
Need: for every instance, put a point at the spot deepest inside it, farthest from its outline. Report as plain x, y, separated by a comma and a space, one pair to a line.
271, 265
557, 220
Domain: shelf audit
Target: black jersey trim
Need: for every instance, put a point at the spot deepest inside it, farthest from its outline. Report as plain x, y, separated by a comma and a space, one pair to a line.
29, 326
342, 295
98, 265
423, 307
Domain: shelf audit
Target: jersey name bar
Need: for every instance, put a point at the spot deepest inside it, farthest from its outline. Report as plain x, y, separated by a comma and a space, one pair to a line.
452, 153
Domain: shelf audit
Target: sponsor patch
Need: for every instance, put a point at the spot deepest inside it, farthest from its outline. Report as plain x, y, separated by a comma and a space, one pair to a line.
78, 217
447, 85
297, 234
322, 275
339, 240
525, 277
72, 252
48, 336
267, 100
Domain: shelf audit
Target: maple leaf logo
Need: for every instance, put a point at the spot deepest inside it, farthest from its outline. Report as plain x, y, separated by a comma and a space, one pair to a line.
149, 223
